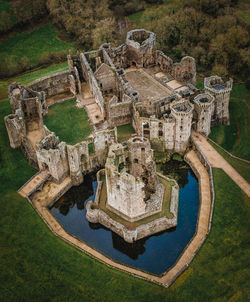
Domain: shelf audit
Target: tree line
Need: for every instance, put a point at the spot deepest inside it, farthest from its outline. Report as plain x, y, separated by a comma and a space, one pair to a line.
214, 32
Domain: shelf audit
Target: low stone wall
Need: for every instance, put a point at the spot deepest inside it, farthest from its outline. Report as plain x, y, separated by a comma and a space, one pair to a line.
208, 167
95, 215
156, 226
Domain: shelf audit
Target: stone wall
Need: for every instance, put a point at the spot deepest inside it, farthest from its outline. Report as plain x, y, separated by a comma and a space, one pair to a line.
185, 71
53, 84
208, 167
52, 155
119, 113
92, 82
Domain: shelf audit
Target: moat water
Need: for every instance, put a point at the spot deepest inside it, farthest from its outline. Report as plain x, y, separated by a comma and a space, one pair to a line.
154, 254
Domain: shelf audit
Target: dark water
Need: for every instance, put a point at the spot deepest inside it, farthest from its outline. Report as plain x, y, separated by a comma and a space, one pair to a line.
154, 254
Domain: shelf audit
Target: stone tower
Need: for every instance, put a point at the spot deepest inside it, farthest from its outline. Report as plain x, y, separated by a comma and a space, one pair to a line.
220, 90
182, 111
131, 179
203, 104
140, 46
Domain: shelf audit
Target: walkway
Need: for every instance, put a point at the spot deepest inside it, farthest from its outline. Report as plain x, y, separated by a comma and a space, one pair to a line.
41, 201
217, 161
203, 221
33, 183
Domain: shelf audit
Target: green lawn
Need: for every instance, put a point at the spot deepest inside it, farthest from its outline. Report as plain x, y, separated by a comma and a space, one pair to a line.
27, 48
242, 167
124, 132
68, 122
235, 138
33, 44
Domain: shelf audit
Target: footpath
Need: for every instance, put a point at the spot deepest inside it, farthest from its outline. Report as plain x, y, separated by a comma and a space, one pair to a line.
217, 161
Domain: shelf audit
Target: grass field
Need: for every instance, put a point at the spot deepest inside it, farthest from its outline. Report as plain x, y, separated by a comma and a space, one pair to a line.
37, 266
27, 48
68, 122
242, 167
235, 138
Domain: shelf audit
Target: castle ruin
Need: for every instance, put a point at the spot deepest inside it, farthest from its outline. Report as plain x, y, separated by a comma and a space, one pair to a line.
134, 83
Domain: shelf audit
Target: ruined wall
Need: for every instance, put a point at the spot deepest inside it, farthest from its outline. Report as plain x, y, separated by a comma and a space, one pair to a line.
16, 129
106, 78
119, 113
133, 190
185, 71
163, 61
52, 155
82, 160
90, 79
53, 84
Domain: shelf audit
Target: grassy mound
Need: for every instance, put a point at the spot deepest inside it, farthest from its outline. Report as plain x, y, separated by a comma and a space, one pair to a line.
68, 122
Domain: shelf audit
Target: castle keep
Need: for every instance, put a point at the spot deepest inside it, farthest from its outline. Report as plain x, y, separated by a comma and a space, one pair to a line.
134, 83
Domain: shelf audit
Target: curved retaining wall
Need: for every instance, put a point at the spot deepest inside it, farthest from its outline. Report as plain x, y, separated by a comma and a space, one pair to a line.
188, 254
95, 215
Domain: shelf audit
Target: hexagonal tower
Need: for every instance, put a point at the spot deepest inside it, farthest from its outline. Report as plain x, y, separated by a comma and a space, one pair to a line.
221, 92
140, 45
131, 180
182, 111
203, 105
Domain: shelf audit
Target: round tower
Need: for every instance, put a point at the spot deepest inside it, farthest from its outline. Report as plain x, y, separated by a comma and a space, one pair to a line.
220, 90
203, 105
182, 111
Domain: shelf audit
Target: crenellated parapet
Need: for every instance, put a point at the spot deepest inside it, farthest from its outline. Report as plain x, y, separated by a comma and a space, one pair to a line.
220, 90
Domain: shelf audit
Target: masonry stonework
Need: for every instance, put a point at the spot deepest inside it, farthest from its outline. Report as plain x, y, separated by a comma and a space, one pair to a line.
134, 83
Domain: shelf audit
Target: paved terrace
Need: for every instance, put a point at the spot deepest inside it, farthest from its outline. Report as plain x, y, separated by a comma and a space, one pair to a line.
41, 201
217, 161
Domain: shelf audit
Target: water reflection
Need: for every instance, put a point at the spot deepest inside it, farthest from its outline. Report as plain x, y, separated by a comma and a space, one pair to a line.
75, 196
155, 253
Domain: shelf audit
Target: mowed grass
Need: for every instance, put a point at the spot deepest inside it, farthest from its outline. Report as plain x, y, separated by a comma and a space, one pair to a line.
242, 167
235, 138
33, 44
68, 122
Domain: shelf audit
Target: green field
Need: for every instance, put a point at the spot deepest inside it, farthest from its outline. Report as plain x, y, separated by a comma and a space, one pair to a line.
68, 122
242, 167
235, 138
26, 50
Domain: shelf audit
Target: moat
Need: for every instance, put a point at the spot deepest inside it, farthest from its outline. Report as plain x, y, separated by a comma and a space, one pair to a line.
154, 254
